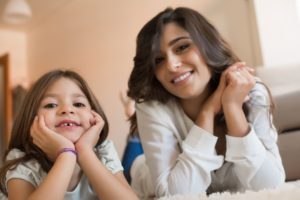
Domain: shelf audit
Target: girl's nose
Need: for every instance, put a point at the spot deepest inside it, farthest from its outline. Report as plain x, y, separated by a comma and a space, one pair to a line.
66, 109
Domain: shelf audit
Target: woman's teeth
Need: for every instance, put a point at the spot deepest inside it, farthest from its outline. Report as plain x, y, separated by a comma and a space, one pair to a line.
182, 77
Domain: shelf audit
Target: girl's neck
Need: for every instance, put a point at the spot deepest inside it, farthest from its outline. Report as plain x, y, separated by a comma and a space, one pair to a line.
193, 106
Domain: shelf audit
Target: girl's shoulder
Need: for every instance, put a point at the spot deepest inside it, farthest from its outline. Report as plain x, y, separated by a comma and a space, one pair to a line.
30, 171
107, 154
14, 154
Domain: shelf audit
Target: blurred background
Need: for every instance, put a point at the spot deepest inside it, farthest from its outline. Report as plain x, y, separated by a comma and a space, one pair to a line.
97, 39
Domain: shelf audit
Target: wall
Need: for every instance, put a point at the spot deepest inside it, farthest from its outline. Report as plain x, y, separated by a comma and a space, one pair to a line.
15, 43
97, 38
1, 111
278, 31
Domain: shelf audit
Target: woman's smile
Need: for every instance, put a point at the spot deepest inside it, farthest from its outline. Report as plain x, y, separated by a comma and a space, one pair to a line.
183, 78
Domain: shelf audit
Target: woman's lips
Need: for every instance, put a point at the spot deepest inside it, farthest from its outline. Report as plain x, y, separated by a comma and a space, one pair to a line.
181, 77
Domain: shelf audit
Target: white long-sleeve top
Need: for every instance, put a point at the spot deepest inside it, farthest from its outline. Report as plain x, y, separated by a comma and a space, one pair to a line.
181, 157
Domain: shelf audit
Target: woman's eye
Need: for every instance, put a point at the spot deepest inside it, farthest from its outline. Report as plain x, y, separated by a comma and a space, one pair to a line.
158, 60
79, 105
182, 47
50, 105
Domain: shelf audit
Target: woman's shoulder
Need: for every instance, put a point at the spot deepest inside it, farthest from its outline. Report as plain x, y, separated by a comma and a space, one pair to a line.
259, 94
157, 108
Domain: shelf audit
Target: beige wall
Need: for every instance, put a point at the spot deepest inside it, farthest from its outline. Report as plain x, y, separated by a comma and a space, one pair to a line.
97, 38
14, 43
278, 28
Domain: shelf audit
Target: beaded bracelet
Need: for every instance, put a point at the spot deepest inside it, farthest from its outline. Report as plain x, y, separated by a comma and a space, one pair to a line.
67, 150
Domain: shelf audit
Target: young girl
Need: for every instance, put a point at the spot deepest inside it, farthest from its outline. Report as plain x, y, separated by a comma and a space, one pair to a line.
203, 118
58, 147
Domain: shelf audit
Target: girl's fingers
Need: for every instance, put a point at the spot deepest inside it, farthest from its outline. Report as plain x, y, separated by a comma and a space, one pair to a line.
97, 118
33, 126
42, 122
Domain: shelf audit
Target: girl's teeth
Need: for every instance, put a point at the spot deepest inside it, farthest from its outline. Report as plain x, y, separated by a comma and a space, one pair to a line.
68, 124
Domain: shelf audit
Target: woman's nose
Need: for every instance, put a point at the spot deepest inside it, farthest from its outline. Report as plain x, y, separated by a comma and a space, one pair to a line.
173, 63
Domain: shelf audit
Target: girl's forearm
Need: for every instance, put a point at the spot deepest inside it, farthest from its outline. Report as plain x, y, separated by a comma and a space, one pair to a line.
56, 182
105, 184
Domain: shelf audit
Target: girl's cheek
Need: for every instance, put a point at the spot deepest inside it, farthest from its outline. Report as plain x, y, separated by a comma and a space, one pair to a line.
91, 119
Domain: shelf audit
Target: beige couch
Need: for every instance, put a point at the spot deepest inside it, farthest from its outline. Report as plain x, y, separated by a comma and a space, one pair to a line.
284, 84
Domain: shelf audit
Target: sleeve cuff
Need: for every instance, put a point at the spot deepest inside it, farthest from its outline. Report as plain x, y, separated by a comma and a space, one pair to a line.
244, 146
201, 140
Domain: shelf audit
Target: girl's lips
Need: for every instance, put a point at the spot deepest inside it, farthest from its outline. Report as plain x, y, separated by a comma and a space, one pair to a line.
182, 77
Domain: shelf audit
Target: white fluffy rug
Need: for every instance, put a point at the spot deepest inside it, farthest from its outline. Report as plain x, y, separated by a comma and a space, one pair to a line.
288, 191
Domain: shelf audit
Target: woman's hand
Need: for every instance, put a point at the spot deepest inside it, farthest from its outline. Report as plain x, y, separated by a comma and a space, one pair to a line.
48, 140
214, 103
239, 82
89, 139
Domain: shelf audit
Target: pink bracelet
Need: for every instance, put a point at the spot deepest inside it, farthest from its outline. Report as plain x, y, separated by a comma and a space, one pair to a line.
67, 150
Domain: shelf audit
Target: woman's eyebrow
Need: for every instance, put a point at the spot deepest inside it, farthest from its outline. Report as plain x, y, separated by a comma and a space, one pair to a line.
177, 39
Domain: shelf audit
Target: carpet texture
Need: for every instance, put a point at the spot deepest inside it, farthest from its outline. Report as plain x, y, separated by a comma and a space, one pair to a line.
288, 191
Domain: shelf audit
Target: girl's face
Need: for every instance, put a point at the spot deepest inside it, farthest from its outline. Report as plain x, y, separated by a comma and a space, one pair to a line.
66, 109
180, 67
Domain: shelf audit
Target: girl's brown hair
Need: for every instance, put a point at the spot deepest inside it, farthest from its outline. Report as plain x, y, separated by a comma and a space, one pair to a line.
20, 137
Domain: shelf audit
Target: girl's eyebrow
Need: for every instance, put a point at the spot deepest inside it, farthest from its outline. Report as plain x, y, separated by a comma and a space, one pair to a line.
177, 39
56, 95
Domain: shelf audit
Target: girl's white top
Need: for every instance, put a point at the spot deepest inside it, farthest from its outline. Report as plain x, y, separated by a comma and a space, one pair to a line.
180, 157
32, 172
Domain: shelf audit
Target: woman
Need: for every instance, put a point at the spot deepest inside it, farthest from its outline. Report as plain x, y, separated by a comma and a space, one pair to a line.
204, 120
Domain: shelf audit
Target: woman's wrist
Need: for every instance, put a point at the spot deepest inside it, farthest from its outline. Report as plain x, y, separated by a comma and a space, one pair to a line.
205, 120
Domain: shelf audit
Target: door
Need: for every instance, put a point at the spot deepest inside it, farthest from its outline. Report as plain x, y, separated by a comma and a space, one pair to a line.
5, 104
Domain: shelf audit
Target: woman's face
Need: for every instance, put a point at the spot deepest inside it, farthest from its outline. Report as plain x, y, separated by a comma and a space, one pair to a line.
179, 66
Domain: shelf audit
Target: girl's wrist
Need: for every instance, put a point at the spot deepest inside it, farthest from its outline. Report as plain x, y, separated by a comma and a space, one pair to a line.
67, 150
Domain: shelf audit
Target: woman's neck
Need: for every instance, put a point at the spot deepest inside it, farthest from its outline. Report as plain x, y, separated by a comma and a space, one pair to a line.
193, 106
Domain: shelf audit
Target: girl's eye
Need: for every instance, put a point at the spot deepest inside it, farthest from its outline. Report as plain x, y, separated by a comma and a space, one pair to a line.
79, 105
50, 105
182, 48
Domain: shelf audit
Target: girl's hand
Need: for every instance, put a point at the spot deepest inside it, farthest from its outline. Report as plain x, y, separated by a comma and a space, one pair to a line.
239, 82
46, 139
90, 138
